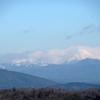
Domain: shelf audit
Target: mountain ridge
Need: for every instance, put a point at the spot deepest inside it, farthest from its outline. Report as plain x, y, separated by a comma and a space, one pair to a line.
10, 79
76, 86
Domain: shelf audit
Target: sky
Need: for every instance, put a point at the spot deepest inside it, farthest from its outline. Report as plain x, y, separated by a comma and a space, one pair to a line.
30, 25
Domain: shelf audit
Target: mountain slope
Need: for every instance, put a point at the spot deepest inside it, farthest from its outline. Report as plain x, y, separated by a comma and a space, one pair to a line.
9, 79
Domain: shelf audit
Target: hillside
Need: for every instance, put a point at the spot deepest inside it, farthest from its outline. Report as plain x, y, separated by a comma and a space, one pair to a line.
9, 79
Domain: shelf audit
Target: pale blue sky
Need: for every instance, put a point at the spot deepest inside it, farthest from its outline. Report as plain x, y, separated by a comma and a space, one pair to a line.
28, 25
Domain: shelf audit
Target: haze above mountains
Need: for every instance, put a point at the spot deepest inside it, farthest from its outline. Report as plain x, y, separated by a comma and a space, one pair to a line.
53, 56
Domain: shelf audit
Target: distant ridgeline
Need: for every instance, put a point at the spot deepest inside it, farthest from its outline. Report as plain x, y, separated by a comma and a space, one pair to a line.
87, 70
78, 74
76, 86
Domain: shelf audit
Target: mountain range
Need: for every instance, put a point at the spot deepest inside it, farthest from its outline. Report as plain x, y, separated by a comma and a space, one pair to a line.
11, 79
72, 64
86, 70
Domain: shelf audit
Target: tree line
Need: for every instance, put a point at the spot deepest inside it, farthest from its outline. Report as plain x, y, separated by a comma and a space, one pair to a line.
48, 94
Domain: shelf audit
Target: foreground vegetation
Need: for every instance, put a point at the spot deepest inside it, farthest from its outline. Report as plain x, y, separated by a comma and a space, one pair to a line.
48, 94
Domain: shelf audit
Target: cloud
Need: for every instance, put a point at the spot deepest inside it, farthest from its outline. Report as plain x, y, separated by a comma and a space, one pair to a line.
97, 29
27, 31
69, 36
52, 56
89, 29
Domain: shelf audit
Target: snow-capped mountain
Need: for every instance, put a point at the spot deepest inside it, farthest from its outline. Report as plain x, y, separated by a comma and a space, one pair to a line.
53, 56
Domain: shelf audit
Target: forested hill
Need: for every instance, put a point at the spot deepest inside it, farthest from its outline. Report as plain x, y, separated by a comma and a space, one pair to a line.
48, 94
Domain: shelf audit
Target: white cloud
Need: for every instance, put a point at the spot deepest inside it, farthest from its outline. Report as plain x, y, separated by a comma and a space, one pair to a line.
53, 56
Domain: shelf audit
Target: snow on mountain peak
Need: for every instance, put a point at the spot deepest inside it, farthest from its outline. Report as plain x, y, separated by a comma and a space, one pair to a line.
53, 56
